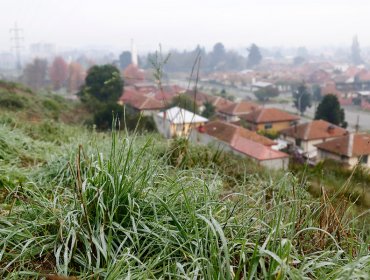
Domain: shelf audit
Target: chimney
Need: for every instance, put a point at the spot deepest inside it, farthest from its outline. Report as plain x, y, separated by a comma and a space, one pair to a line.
350, 144
331, 129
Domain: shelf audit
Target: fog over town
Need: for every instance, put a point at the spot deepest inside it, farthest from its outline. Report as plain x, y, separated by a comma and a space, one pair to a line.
286, 32
177, 139
185, 24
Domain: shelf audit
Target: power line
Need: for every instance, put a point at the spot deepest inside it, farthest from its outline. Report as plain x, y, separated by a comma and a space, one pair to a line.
17, 40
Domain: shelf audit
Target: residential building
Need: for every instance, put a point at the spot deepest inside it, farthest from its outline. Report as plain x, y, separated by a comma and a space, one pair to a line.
146, 105
164, 96
269, 119
347, 150
201, 98
177, 121
260, 85
232, 112
240, 141
133, 74
226, 132
305, 136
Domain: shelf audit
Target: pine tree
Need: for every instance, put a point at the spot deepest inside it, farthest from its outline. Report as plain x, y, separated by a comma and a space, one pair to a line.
254, 56
329, 110
302, 98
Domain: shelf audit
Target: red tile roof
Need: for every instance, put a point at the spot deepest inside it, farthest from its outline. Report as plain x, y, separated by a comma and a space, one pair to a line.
128, 94
352, 145
331, 89
317, 129
165, 97
352, 71
141, 102
267, 115
241, 108
364, 76
133, 74
256, 150
319, 76
220, 103
201, 98
227, 132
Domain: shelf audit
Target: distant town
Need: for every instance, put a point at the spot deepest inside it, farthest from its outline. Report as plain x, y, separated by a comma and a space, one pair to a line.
263, 107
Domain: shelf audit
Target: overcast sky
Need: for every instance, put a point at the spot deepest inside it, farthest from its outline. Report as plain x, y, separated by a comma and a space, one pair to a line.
184, 23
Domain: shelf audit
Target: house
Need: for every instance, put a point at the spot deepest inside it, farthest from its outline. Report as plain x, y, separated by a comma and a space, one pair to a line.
146, 105
343, 98
240, 141
226, 132
201, 98
220, 103
177, 121
141, 102
347, 150
232, 112
141, 95
133, 74
261, 154
305, 136
319, 76
270, 119
260, 85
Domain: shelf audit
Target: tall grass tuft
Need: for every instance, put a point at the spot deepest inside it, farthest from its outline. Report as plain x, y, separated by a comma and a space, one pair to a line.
116, 208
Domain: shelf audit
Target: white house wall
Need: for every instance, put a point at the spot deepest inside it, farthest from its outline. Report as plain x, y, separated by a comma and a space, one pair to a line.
163, 126
279, 163
205, 139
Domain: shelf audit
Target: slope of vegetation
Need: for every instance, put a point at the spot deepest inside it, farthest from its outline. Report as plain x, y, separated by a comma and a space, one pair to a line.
19, 105
118, 206
354, 184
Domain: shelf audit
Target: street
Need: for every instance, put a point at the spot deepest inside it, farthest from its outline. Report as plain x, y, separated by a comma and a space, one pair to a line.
351, 115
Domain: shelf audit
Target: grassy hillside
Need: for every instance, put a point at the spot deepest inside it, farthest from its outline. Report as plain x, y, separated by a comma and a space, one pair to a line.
19, 105
117, 206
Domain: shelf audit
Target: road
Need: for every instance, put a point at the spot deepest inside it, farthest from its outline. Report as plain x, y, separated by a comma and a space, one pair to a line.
351, 115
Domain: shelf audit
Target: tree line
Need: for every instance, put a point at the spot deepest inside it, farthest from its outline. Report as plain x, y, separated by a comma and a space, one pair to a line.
218, 59
59, 74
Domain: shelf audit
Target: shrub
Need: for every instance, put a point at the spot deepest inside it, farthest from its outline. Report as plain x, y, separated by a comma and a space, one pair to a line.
11, 101
103, 118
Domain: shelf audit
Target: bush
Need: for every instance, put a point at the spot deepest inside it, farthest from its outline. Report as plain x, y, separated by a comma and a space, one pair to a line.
53, 108
11, 101
272, 134
139, 123
47, 130
104, 117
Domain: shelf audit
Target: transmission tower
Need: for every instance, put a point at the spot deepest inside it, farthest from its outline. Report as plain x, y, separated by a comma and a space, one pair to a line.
17, 39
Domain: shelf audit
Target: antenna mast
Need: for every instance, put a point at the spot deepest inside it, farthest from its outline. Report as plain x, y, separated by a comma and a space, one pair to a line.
16, 45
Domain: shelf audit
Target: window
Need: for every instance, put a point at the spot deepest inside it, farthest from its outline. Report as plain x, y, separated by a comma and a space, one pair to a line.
363, 159
268, 125
298, 142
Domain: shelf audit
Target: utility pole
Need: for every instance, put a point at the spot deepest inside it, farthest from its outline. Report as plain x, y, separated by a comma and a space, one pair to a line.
357, 126
17, 45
